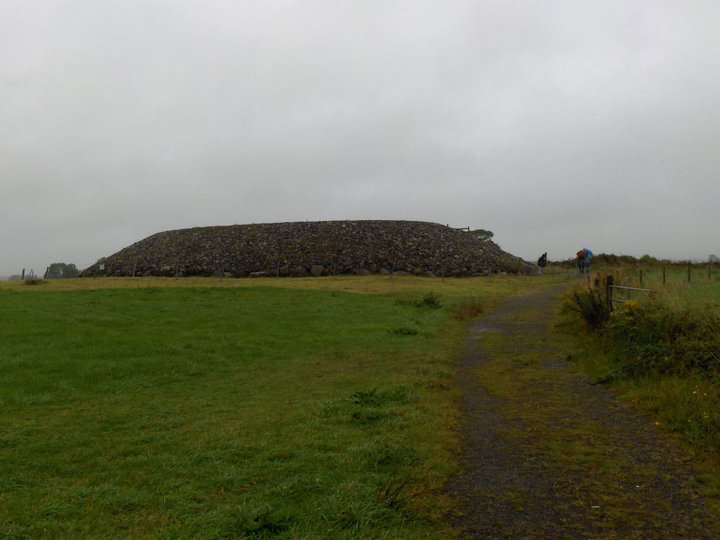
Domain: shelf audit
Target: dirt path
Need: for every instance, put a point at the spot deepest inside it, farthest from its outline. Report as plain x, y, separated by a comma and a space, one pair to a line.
547, 455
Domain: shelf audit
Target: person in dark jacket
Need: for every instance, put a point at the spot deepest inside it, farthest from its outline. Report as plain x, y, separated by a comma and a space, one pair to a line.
542, 262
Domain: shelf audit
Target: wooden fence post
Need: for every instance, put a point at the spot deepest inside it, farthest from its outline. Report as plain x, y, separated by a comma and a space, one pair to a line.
608, 285
664, 275
689, 271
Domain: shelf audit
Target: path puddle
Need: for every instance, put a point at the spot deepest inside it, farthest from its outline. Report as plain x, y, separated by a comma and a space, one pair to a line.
479, 331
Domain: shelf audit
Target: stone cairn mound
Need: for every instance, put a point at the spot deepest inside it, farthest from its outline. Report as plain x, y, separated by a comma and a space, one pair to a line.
314, 248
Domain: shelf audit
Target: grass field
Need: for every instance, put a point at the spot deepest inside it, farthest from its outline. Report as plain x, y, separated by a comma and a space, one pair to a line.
489, 287
702, 289
296, 408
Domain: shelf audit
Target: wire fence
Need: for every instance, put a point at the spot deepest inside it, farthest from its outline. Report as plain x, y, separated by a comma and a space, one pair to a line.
619, 294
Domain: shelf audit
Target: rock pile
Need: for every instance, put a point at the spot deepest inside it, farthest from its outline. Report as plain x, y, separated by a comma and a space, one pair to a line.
311, 248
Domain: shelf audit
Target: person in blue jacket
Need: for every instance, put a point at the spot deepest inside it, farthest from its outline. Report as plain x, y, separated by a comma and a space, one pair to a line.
584, 256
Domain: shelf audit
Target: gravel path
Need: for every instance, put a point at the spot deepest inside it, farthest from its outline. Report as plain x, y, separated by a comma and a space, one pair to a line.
548, 455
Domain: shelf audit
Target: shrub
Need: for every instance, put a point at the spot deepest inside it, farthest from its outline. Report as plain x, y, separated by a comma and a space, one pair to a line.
654, 338
591, 305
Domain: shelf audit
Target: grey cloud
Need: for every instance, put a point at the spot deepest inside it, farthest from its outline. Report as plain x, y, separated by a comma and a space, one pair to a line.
553, 124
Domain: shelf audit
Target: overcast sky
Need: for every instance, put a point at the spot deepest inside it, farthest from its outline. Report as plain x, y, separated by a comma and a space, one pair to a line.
555, 124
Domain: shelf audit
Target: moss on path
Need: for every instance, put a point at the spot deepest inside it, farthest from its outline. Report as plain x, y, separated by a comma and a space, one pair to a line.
548, 455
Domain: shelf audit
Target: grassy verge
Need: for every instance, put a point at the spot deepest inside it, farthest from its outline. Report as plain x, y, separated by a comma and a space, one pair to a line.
222, 409
663, 354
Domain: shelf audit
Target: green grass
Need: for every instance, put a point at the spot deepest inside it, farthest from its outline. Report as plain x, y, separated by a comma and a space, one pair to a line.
494, 286
701, 291
687, 405
228, 409
207, 412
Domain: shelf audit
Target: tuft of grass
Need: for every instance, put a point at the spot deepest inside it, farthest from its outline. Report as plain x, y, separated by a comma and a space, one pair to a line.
255, 522
590, 305
468, 309
405, 331
430, 301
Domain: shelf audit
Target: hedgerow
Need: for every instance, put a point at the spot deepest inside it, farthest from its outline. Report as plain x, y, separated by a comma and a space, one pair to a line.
652, 337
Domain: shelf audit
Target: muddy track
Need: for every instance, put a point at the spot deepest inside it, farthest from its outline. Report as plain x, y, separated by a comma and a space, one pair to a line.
548, 455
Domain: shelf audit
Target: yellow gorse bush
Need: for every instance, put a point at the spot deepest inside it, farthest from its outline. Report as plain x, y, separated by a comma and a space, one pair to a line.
629, 308
629, 305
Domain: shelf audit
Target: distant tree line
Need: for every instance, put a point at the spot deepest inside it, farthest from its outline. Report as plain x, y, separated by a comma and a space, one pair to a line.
54, 271
61, 270
610, 259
